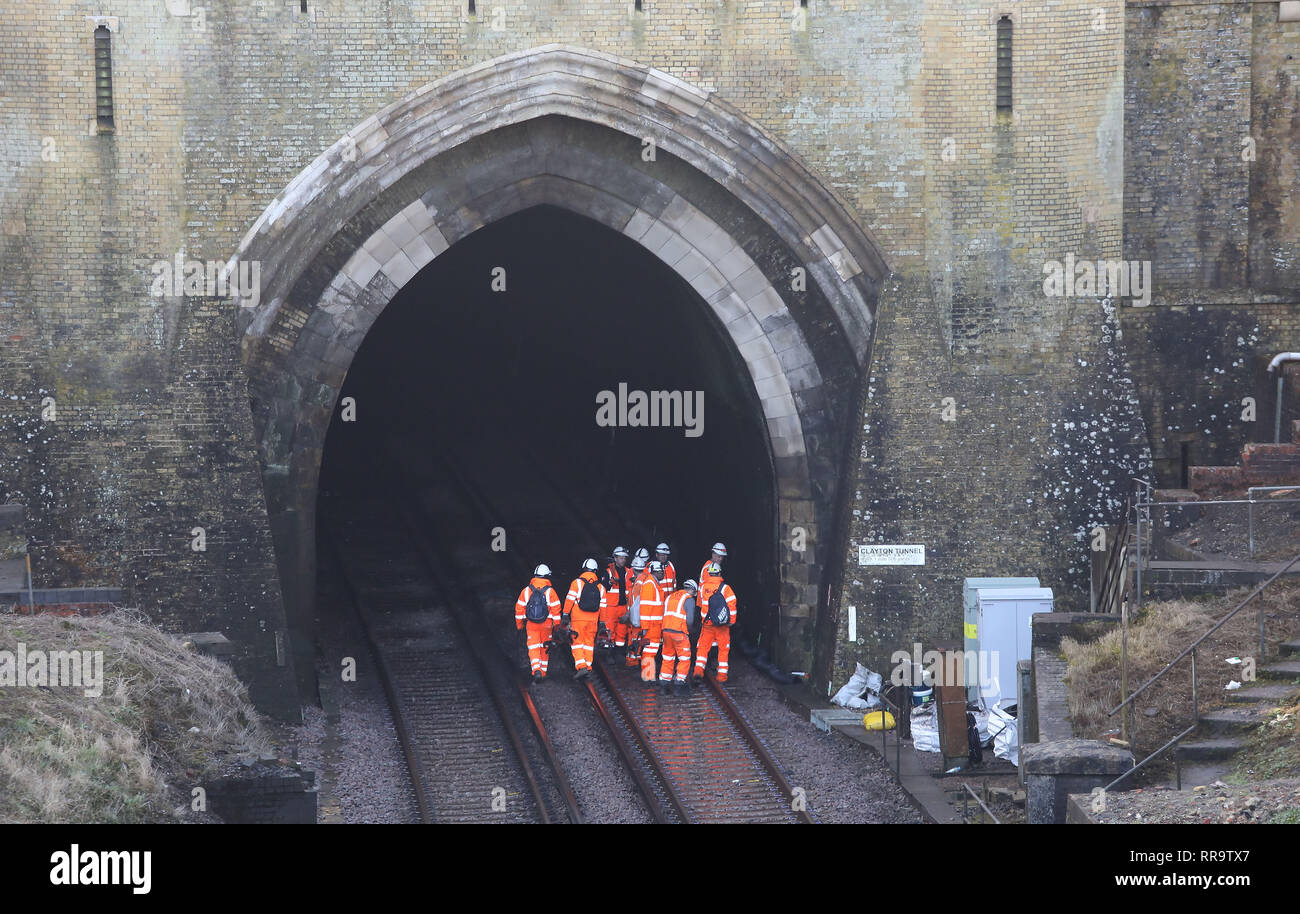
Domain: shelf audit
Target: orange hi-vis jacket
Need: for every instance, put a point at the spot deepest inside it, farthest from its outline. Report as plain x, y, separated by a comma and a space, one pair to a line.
652, 600
675, 612
704, 574
727, 594
611, 592
669, 583
575, 591
552, 601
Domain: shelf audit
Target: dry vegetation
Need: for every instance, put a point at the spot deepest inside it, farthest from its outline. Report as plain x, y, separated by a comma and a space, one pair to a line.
1158, 635
1273, 749
167, 718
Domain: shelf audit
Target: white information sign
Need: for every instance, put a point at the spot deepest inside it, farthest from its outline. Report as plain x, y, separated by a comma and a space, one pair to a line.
891, 555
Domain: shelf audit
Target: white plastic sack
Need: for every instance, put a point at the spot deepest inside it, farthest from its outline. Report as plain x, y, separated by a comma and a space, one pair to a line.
1004, 729
925, 728
862, 680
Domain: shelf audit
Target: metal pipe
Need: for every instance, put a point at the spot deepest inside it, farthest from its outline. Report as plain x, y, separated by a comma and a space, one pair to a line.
1277, 413
1276, 365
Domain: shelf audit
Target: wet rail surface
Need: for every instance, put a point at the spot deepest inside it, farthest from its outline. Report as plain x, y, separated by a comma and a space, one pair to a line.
476, 752
700, 760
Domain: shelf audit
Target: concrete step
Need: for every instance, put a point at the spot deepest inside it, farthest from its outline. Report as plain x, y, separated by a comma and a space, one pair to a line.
1273, 694
1230, 721
1208, 749
1285, 670
1290, 648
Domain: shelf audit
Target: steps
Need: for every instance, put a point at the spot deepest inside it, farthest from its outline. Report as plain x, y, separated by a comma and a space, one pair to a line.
1221, 733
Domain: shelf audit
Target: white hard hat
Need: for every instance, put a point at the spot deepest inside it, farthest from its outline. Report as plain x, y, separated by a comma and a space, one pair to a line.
662, 547
638, 563
542, 571
590, 565
715, 569
690, 585
719, 549
643, 553
619, 550
656, 566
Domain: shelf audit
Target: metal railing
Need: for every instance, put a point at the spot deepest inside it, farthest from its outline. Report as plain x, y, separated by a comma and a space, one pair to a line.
967, 796
1191, 650
1251, 501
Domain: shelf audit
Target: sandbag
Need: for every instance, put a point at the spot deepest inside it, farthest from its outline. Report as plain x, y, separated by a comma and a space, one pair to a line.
925, 728
878, 720
1004, 728
862, 680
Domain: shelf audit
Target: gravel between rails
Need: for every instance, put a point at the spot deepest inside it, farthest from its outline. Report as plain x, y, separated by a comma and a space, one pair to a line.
606, 792
360, 769
845, 783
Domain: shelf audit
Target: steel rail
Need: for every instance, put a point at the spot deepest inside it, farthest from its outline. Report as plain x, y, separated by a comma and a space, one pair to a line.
404, 738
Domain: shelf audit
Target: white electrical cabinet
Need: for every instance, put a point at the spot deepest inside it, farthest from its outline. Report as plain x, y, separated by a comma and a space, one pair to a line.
970, 607
1003, 637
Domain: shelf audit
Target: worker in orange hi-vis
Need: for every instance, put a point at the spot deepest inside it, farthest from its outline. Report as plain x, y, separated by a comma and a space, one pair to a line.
719, 553
538, 608
651, 608
718, 608
670, 573
618, 596
679, 616
635, 633
582, 614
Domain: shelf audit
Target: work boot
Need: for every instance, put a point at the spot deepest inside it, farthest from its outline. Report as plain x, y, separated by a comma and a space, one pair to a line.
681, 688
538, 677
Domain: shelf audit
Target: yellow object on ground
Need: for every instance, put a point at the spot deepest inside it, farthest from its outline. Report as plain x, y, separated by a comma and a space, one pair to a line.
878, 720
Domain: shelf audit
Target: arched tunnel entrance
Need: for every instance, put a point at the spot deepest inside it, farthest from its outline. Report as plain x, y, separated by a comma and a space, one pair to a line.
775, 328
500, 375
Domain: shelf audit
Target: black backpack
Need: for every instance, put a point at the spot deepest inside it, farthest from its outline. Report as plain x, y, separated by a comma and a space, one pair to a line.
719, 611
589, 599
538, 609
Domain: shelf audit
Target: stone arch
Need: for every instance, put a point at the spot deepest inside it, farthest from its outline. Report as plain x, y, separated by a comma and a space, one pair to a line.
722, 203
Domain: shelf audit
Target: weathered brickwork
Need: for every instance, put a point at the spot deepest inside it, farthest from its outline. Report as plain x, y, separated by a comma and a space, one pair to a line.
1212, 135
220, 107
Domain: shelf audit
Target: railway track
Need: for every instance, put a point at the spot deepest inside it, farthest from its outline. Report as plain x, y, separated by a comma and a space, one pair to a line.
695, 758
471, 742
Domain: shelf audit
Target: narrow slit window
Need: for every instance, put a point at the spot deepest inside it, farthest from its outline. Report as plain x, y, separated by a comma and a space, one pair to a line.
1004, 64
469, 7
103, 78
637, 6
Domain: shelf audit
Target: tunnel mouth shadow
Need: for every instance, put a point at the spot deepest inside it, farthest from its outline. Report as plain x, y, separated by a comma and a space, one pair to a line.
514, 361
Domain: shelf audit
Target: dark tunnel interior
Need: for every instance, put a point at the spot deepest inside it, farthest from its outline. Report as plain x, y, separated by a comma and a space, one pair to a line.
507, 382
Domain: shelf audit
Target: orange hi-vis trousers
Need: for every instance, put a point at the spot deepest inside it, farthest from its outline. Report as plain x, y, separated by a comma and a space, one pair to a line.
649, 653
584, 625
711, 634
537, 633
677, 653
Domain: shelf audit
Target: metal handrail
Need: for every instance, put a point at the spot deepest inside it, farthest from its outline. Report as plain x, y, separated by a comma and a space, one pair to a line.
1195, 644
1191, 649
983, 807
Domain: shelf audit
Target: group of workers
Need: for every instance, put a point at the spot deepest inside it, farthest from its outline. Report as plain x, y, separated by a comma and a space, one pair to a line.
635, 609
